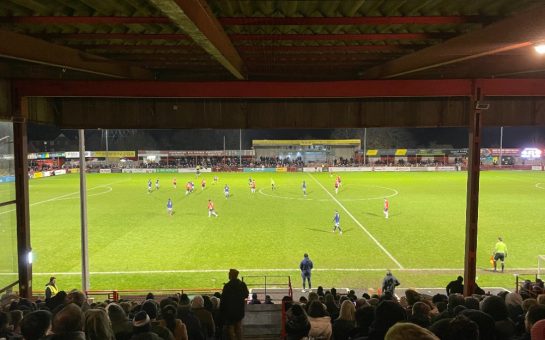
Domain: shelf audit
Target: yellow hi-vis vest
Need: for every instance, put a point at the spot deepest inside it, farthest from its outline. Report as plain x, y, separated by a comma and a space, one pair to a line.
53, 289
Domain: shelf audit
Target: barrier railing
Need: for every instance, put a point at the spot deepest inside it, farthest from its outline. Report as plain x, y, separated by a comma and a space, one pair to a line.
140, 294
268, 282
8, 289
521, 281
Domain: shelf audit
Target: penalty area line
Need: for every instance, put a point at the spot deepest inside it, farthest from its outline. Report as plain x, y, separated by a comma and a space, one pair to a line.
359, 224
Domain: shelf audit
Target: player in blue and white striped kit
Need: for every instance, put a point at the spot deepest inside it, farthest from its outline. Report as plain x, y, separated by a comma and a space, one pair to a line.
149, 185
226, 191
304, 187
169, 207
337, 221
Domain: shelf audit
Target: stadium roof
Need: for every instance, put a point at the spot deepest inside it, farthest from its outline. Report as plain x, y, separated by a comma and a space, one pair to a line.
196, 40
306, 142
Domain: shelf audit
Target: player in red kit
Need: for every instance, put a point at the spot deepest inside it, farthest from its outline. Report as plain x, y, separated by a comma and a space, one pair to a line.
386, 206
339, 180
174, 183
211, 210
203, 184
252, 186
336, 187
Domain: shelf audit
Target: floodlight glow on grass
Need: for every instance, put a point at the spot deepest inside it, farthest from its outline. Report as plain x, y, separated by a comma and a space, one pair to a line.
540, 48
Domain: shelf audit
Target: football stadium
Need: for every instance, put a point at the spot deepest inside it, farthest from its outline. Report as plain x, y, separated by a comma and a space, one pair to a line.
312, 170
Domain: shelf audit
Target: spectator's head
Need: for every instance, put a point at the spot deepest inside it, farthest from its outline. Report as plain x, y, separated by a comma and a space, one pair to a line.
233, 274
150, 296
409, 331
97, 325
513, 299
184, 299
455, 300
484, 321
460, 279
421, 309
254, 296
116, 313
215, 303
141, 323
365, 317
312, 296
297, 310
541, 299
268, 299
69, 319
535, 313
198, 302
412, 296
305, 255
495, 307
347, 311
471, 303
387, 314
207, 303
526, 304
36, 324
150, 307
316, 309
76, 297
15, 317
462, 328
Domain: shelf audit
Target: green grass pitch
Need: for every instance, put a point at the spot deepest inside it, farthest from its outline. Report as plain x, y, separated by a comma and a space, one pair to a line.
134, 243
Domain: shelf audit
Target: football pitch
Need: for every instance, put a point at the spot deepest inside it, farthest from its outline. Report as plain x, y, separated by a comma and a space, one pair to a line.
135, 244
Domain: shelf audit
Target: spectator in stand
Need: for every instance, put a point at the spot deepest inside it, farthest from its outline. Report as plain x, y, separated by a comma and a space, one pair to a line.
121, 326
484, 321
496, 308
150, 307
387, 314
79, 299
173, 324
35, 325
454, 300
15, 317
297, 323
68, 324
456, 286
364, 318
268, 300
538, 330
331, 306
513, 301
421, 314
461, 327
5, 332
320, 322
408, 331
97, 325
254, 300
206, 319
346, 322
535, 314
232, 305
142, 328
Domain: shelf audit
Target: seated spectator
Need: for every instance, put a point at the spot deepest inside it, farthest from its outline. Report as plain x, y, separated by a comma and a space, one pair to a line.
320, 291
268, 300
387, 314
190, 320
206, 319
346, 322
68, 323
538, 330
484, 322
535, 314
35, 325
5, 332
496, 308
409, 331
461, 327
320, 322
97, 325
421, 315
471, 302
15, 317
331, 306
453, 301
150, 307
297, 323
79, 299
364, 318
254, 300
142, 328
172, 323
121, 326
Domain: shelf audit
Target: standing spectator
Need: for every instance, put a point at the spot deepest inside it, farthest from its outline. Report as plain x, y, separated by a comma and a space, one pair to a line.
306, 266
232, 305
174, 325
456, 286
142, 328
51, 288
150, 307
389, 283
500, 253
121, 325
68, 323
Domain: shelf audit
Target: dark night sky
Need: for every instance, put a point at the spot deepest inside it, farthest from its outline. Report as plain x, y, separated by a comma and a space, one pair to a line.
514, 137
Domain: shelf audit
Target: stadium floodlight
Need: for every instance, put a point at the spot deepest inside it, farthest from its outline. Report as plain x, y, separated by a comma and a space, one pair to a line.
540, 48
531, 153
29, 257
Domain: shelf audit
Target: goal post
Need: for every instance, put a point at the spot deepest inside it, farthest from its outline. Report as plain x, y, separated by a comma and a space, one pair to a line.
540, 265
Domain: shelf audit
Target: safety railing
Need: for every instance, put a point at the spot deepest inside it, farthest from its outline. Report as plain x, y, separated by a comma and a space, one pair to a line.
9, 288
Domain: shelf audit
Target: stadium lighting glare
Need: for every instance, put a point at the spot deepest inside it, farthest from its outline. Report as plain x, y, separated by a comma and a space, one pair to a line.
29, 257
540, 48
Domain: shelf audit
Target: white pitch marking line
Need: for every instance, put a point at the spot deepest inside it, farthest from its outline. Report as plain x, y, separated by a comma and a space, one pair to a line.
538, 185
359, 224
182, 271
63, 196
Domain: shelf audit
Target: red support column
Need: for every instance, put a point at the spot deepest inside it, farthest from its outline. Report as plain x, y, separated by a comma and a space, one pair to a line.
472, 207
21, 192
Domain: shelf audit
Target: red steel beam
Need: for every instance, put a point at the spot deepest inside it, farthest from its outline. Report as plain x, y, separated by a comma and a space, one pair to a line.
239, 89
251, 21
253, 37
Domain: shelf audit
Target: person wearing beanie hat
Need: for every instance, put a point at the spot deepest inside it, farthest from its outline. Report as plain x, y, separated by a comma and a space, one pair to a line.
142, 328
150, 307
233, 304
35, 325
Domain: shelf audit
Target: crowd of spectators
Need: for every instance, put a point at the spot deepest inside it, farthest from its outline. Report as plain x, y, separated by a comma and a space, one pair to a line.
506, 316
